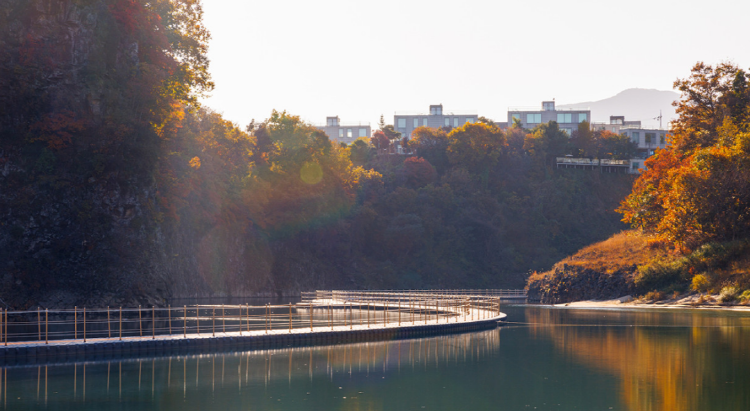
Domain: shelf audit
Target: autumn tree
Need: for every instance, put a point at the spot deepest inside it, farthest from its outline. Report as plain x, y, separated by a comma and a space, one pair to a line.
379, 140
703, 104
476, 146
607, 144
432, 145
698, 189
418, 172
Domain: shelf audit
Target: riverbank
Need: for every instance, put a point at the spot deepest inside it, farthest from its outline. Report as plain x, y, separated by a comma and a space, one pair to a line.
681, 302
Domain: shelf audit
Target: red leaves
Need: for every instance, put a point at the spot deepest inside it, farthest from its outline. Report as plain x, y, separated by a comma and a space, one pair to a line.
57, 129
418, 172
129, 14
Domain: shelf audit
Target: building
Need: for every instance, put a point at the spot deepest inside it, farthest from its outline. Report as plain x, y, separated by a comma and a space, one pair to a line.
344, 133
567, 119
647, 139
616, 123
405, 123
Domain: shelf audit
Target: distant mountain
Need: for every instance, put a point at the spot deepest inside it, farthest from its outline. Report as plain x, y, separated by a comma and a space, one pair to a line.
634, 104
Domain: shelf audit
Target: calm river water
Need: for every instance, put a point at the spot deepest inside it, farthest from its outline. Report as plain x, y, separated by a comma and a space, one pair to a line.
545, 359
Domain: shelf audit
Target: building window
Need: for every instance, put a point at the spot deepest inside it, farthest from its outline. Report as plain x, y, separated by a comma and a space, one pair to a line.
636, 137
513, 117
349, 133
447, 121
636, 165
582, 117
470, 120
363, 132
662, 139
424, 122
416, 122
402, 123
650, 138
455, 121
564, 118
534, 118
567, 131
548, 106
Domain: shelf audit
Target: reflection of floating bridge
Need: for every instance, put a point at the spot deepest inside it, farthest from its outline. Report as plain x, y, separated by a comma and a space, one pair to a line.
172, 379
323, 317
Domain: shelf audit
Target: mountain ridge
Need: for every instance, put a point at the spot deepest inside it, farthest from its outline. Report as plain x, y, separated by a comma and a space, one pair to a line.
635, 104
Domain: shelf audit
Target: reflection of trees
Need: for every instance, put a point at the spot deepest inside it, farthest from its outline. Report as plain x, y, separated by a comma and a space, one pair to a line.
666, 361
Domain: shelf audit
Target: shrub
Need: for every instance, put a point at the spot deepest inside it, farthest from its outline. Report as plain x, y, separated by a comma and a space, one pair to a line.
729, 294
745, 297
700, 283
659, 273
654, 296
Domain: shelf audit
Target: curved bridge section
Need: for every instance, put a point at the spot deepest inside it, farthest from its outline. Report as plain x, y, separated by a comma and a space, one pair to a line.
322, 317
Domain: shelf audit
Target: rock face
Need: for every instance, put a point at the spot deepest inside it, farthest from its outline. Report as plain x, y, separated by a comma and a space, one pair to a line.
571, 283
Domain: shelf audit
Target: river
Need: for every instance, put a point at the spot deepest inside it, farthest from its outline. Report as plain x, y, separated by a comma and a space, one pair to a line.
543, 359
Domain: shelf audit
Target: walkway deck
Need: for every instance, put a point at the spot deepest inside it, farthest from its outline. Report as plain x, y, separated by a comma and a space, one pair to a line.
357, 329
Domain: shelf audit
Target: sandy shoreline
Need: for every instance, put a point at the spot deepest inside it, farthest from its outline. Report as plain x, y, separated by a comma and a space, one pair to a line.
627, 302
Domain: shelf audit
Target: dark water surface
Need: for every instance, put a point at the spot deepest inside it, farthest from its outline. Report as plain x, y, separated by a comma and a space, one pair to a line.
545, 359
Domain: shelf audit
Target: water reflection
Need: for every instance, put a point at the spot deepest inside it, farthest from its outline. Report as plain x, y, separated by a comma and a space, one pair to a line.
665, 360
237, 379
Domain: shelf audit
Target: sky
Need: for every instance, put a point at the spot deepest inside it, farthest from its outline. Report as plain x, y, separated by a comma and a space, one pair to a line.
359, 60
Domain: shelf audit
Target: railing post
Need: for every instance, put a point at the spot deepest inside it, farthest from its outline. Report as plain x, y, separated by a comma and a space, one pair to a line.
169, 316
223, 320
290, 316
153, 322
197, 320
311, 315
351, 317
184, 321
46, 326
109, 327
39, 321
120, 323
399, 311
213, 322
140, 321
75, 322
84, 324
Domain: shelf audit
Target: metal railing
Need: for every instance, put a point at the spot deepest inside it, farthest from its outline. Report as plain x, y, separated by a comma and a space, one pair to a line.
578, 161
319, 310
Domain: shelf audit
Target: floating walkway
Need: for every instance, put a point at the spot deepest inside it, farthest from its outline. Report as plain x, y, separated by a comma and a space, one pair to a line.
323, 317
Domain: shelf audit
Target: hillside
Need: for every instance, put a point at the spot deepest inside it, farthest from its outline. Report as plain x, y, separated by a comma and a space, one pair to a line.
632, 263
634, 104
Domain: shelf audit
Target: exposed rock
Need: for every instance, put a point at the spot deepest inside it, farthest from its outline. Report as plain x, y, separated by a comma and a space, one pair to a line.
572, 283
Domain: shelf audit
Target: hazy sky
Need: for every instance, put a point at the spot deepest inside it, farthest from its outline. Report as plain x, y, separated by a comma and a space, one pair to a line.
359, 60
